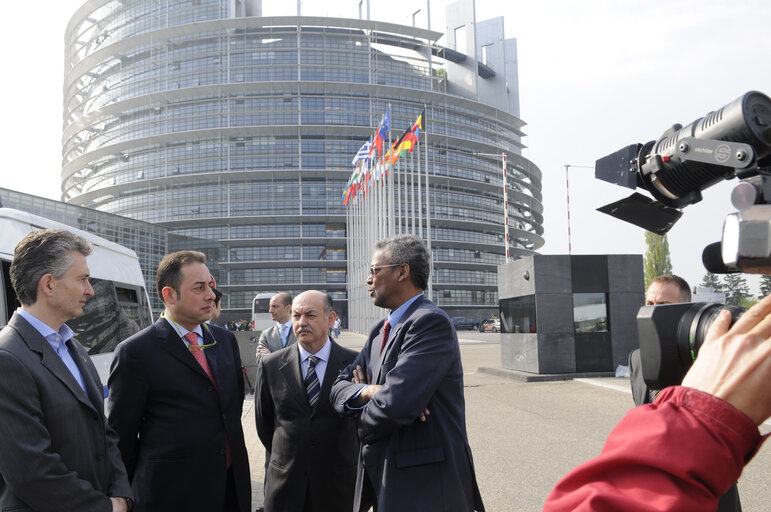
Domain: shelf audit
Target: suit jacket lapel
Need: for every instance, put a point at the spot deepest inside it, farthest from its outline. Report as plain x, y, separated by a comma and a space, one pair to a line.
375, 359
334, 365
212, 354
95, 394
50, 359
394, 334
290, 371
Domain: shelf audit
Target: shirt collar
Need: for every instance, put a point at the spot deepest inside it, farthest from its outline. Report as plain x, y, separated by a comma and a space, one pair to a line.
322, 354
44, 329
397, 314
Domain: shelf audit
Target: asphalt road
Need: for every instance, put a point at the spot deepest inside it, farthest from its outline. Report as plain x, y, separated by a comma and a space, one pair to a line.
525, 436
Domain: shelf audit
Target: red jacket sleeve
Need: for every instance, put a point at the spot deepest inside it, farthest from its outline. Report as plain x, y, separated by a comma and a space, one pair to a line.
680, 453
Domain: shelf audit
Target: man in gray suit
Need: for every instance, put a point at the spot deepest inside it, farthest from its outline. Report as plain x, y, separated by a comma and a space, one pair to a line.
313, 451
280, 335
56, 450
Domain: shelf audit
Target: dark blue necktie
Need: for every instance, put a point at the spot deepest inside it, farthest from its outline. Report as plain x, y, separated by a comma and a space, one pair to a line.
312, 386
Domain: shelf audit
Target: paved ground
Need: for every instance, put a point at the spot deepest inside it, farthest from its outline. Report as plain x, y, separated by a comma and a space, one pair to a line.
525, 436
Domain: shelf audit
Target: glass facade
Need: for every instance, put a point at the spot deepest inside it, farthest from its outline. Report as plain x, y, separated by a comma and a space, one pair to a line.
237, 133
147, 240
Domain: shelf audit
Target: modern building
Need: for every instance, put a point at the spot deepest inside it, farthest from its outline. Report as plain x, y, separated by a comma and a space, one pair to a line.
147, 240
236, 132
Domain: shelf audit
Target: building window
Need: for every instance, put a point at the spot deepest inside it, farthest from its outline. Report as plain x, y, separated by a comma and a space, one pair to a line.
590, 312
518, 314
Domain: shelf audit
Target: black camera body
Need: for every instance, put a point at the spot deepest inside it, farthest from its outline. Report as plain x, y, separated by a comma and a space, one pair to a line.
671, 336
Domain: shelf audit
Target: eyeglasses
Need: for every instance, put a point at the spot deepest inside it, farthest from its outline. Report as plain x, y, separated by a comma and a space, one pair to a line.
374, 270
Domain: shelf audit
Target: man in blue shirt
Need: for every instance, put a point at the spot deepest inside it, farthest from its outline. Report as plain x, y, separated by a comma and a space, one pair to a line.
56, 450
406, 390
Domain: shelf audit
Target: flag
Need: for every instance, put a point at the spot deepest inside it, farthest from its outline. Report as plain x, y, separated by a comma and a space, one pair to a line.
408, 140
382, 132
363, 153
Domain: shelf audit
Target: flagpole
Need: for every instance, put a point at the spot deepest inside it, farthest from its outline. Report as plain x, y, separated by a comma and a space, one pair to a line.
428, 210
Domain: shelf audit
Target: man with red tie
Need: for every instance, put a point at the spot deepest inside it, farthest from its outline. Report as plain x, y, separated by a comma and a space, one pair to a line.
406, 390
176, 396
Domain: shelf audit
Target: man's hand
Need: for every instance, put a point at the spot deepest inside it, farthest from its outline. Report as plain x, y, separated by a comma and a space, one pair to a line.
735, 365
359, 377
119, 504
264, 350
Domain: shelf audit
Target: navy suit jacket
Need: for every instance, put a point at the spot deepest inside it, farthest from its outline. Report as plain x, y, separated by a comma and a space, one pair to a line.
173, 423
56, 450
413, 465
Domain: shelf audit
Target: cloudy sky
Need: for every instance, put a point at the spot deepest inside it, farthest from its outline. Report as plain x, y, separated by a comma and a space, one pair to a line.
595, 76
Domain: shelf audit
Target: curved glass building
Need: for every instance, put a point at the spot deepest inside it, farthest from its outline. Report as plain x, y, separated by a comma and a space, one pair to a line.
236, 132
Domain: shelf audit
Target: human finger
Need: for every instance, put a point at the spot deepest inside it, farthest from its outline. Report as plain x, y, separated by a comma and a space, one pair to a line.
753, 316
719, 327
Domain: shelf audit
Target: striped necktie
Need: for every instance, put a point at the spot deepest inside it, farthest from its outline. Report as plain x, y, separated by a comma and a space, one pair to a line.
312, 386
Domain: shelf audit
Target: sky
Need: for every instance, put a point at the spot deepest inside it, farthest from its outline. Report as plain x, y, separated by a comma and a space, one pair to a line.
594, 77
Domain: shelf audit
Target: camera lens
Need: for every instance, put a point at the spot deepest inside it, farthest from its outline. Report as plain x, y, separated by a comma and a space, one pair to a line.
695, 324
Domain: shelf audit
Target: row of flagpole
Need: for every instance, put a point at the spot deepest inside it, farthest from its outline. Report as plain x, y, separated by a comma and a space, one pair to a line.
381, 197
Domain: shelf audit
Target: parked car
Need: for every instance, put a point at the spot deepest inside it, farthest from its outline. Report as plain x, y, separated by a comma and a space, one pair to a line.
490, 325
461, 323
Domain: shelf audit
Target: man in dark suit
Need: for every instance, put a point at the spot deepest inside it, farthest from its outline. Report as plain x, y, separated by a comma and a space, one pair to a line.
664, 289
313, 450
406, 389
280, 335
176, 396
56, 450
669, 289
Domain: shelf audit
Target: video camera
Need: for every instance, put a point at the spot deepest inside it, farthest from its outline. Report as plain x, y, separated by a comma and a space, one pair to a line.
732, 142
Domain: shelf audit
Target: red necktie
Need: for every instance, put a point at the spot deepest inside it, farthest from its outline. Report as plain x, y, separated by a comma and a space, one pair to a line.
197, 351
386, 332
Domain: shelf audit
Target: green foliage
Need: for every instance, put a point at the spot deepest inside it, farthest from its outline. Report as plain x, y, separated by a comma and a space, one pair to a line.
736, 289
765, 285
656, 260
712, 281
748, 302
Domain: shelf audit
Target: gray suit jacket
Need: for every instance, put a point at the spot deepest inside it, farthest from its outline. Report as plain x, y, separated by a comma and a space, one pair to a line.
47, 422
413, 464
271, 339
311, 451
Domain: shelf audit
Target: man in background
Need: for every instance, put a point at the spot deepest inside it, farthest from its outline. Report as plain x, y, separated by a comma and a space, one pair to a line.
669, 289
56, 450
216, 306
664, 289
280, 335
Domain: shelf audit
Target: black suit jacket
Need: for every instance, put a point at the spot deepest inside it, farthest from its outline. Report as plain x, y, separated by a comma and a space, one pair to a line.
414, 465
310, 451
173, 423
55, 446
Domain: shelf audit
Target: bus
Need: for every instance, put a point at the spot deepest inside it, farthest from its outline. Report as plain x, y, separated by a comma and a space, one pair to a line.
261, 318
120, 306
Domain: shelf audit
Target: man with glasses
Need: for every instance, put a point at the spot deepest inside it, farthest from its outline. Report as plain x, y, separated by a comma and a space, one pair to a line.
406, 390
176, 397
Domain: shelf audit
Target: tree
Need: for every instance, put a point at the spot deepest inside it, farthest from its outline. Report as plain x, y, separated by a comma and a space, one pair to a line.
765, 285
712, 281
736, 289
656, 261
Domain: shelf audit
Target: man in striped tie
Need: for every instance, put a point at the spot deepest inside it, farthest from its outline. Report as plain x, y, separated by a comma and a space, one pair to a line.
313, 451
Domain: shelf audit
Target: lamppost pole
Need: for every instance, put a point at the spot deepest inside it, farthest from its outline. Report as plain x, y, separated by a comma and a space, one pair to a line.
567, 191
